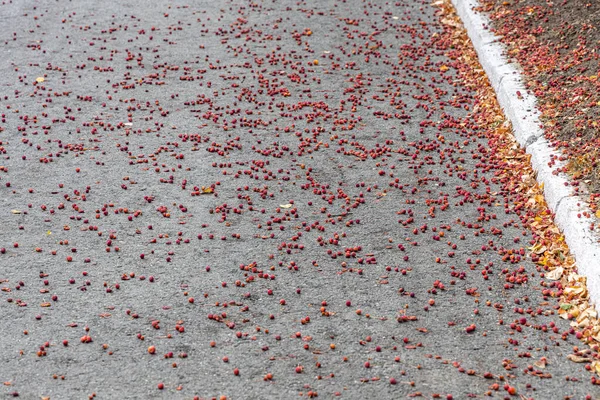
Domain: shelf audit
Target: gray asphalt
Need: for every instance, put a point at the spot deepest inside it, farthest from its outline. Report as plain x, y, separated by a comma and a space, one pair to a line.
288, 188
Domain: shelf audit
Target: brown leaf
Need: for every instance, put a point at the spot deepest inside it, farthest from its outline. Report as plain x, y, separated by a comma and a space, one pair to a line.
578, 359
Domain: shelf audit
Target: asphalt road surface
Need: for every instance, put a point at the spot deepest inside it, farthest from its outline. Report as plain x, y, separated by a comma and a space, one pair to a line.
257, 199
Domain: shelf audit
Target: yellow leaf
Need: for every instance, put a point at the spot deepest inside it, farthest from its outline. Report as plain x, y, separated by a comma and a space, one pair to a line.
539, 248
15, 211
39, 79
285, 205
574, 290
598, 214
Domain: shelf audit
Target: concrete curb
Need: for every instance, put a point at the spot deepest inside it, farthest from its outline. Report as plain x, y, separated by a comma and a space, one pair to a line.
522, 112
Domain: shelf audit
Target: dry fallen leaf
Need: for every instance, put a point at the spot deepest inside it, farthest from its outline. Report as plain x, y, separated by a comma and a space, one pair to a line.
39, 79
539, 248
15, 211
578, 359
451, 22
555, 274
285, 205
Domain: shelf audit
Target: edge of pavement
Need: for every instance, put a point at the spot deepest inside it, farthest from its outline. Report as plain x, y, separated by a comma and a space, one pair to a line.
520, 108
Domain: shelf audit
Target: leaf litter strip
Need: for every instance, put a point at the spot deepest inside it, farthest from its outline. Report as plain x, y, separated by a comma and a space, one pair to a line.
550, 251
